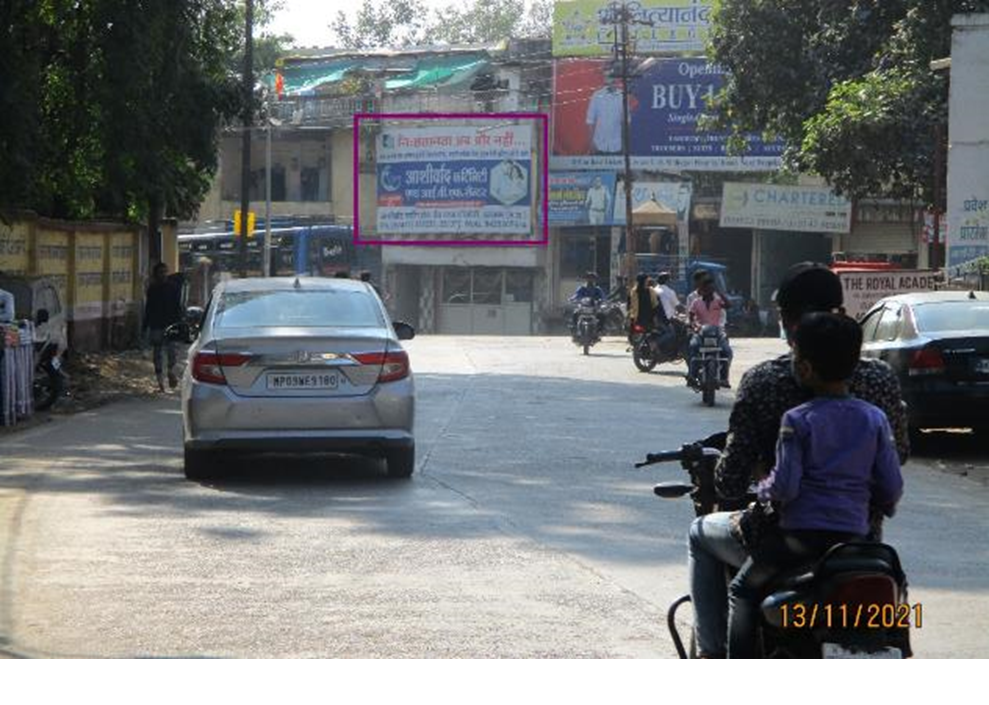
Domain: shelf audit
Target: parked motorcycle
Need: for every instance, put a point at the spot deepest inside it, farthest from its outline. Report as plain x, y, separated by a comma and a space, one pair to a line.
586, 331
615, 318
649, 349
50, 381
850, 603
711, 363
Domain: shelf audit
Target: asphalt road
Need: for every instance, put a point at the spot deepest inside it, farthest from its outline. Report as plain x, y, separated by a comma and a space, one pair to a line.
524, 533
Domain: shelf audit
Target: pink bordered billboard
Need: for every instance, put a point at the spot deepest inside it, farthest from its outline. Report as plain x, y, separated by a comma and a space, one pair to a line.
471, 179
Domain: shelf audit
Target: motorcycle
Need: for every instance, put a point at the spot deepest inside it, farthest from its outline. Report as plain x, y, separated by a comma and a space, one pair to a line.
711, 363
649, 349
586, 331
615, 318
49, 379
850, 603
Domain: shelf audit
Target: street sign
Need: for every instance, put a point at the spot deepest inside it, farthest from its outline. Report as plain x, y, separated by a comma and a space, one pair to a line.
250, 223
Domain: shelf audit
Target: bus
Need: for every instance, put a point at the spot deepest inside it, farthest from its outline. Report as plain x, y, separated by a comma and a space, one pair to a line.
315, 249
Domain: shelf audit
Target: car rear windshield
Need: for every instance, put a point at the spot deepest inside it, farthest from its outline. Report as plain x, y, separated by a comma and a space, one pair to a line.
953, 316
307, 309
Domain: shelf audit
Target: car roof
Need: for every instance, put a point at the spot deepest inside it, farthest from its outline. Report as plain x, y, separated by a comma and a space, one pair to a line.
293, 283
931, 297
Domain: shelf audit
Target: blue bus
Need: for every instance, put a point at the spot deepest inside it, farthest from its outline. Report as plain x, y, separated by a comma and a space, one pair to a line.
311, 249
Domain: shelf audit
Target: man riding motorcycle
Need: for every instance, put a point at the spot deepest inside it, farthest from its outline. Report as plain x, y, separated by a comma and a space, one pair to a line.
588, 290
707, 309
765, 394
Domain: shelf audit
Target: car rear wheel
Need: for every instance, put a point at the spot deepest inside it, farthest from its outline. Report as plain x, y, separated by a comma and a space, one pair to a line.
401, 463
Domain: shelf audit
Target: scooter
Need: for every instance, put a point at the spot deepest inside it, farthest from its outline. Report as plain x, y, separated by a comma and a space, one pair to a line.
850, 603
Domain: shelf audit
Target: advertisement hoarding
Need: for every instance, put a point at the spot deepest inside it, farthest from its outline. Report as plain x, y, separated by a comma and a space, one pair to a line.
675, 196
806, 209
581, 198
586, 27
665, 105
455, 180
864, 289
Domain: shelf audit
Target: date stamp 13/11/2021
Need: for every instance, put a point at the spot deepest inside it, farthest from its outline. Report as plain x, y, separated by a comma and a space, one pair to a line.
852, 616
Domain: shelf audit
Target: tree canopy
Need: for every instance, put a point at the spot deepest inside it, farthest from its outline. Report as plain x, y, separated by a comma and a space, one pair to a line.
408, 23
111, 107
847, 84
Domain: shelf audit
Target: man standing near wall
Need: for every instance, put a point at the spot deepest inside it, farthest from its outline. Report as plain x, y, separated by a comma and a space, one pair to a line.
163, 307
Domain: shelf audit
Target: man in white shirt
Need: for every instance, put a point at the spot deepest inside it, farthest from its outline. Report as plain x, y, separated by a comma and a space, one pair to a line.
604, 117
597, 202
667, 297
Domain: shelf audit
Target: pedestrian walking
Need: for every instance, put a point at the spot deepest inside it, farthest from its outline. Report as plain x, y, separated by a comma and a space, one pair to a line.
162, 308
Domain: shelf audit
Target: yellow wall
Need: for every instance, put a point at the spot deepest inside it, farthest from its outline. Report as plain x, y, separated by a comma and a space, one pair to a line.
14, 255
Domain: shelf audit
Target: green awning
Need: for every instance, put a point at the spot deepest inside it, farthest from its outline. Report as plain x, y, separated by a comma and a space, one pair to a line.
300, 80
439, 71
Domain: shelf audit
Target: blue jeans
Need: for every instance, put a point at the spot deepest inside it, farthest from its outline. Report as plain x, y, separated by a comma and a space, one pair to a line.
710, 547
694, 350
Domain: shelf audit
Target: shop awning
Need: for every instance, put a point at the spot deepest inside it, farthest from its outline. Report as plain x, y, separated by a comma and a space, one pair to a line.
653, 212
439, 71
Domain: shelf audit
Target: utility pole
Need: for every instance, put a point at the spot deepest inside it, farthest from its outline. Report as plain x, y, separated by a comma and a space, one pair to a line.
266, 261
245, 164
621, 17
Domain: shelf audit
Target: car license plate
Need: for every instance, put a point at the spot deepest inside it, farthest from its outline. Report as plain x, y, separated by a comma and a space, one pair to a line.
304, 381
710, 342
839, 651
982, 366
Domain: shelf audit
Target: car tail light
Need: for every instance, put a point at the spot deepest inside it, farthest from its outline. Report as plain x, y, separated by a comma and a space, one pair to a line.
394, 365
926, 361
208, 366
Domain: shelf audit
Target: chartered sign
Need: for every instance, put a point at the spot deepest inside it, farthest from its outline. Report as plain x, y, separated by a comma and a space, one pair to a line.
806, 209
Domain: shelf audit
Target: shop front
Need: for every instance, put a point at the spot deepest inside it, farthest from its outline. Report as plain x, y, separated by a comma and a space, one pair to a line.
467, 291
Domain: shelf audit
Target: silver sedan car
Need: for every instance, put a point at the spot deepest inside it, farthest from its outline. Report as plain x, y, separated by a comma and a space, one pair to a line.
296, 365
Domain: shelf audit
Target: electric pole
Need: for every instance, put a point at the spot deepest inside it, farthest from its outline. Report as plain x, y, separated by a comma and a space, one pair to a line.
621, 17
245, 164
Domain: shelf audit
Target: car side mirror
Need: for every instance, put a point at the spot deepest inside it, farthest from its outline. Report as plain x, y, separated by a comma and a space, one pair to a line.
41, 317
404, 331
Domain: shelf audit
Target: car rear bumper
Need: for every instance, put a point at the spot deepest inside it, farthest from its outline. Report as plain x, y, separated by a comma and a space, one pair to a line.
367, 443
215, 417
948, 406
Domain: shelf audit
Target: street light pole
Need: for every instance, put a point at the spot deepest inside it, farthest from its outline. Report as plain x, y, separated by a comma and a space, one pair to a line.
266, 263
245, 162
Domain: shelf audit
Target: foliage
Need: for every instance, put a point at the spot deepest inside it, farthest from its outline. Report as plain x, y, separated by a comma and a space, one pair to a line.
112, 107
407, 23
847, 83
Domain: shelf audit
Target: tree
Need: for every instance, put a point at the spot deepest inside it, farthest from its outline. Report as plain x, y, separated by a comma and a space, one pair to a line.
114, 106
408, 23
846, 83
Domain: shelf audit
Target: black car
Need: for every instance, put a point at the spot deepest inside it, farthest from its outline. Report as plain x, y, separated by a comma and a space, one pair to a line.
938, 343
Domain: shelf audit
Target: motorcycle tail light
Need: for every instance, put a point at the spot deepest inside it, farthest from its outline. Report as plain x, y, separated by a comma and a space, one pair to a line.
874, 589
636, 328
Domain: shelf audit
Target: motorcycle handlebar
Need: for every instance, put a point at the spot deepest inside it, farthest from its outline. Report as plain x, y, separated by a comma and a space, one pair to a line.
668, 456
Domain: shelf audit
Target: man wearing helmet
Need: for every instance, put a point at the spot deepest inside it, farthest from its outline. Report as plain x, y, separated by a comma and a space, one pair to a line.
766, 393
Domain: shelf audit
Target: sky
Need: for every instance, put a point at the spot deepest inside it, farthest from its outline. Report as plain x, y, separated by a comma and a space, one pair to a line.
308, 20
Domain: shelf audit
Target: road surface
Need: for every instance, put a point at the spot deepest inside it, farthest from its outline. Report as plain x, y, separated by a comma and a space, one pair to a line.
524, 533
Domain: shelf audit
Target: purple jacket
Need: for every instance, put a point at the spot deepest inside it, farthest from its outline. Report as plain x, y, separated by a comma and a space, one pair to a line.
835, 457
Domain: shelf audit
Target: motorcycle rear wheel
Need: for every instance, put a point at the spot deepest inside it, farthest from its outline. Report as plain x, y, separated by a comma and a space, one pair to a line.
587, 349
643, 364
710, 383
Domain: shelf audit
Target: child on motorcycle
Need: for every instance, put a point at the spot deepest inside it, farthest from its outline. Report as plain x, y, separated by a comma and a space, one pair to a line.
836, 457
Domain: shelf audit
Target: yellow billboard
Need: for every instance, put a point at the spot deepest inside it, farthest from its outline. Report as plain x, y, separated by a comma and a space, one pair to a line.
121, 269
672, 27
